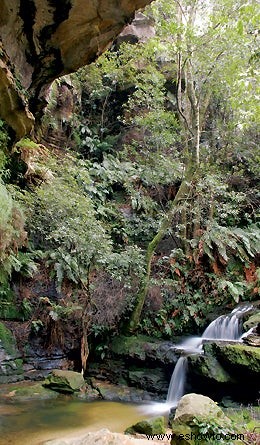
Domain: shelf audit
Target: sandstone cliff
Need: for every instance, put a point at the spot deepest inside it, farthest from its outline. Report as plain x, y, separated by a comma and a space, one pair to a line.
43, 39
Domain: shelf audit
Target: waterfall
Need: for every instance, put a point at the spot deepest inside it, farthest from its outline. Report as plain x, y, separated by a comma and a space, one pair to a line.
177, 383
225, 327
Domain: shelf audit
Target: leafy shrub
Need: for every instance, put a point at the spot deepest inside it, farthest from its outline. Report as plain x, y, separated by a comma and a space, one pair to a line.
12, 234
61, 221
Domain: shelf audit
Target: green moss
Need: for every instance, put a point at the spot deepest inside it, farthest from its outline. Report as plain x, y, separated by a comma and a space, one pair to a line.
7, 340
134, 346
64, 381
19, 365
32, 391
26, 142
149, 426
239, 355
252, 321
210, 368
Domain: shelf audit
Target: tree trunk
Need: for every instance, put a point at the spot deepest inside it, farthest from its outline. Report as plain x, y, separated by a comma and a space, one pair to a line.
181, 196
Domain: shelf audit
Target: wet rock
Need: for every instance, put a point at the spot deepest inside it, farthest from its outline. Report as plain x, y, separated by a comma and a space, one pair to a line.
208, 367
149, 426
139, 361
120, 393
33, 391
150, 379
252, 321
64, 381
252, 340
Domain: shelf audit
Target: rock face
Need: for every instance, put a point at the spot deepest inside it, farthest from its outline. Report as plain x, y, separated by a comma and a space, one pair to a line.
11, 364
64, 381
140, 30
226, 367
137, 361
42, 39
122, 393
239, 359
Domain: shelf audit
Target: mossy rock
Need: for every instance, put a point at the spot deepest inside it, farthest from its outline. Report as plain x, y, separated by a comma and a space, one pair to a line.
252, 321
149, 426
236, 357
64, 381
7, 340
132, 346
208, 366
192, 411
33, 391
143, 348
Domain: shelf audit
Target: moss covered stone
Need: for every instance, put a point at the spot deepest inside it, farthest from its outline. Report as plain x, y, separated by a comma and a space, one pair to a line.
64, 381
252, 321
33, 391
193, 411
143, 348
149, 426
7, 341
207, 366
238, 357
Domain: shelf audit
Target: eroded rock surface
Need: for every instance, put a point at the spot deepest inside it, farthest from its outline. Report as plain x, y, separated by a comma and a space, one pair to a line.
102, 437
42, 39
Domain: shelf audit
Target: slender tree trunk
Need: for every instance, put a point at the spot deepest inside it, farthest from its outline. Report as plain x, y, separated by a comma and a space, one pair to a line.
181, 195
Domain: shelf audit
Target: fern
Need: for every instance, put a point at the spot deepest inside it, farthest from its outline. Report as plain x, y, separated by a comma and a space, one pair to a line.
243, 244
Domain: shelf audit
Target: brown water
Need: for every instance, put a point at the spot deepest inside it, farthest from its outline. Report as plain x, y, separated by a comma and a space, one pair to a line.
31, 423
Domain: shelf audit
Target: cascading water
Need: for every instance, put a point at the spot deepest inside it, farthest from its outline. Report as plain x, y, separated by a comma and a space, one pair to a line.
225, 327
177, 383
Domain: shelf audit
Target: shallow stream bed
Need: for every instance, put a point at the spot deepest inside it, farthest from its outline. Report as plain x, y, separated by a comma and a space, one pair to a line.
32, 422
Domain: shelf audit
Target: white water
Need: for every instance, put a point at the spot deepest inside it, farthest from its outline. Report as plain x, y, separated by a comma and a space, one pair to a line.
225, 327
177, 383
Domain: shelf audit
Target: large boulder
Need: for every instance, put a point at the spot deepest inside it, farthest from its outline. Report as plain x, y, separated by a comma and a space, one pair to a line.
193, 411
64, 381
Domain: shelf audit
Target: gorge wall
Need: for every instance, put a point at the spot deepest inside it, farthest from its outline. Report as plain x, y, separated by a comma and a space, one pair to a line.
41, 40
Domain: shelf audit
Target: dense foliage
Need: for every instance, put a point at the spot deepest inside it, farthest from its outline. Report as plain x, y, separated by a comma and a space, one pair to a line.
152, 188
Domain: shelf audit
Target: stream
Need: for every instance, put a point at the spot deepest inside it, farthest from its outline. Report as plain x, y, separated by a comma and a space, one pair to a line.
33, 422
